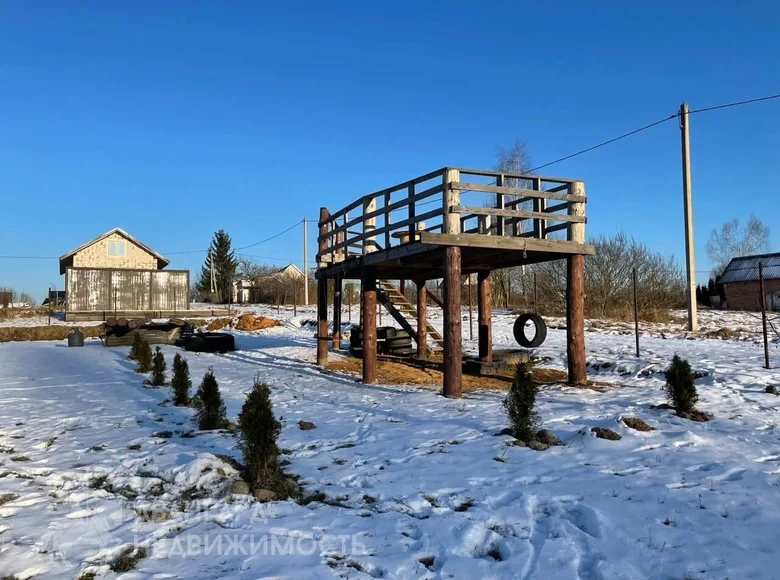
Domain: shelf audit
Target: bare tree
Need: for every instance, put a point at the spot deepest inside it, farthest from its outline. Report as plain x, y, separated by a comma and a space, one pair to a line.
733, 240
27, 298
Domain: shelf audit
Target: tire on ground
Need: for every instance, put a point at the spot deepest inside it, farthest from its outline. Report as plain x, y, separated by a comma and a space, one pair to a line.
519, 330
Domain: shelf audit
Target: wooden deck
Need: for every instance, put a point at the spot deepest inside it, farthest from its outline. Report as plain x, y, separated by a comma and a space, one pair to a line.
446, 224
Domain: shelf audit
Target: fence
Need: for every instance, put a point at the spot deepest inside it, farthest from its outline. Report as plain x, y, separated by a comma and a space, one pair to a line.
105, 289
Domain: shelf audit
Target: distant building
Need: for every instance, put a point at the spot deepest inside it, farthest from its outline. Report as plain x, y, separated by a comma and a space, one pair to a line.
252, 291
741, 284
116, 272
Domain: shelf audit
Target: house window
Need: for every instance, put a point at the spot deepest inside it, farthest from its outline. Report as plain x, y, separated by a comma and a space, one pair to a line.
116, 248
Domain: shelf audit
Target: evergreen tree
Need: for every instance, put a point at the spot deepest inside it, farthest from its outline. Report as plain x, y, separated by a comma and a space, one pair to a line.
158, 368
225, 262
680, 389
143, 357
136, 347
258, 431
520, 404
181, 383
209, 407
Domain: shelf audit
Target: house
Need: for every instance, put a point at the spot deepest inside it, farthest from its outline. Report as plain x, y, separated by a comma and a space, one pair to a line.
116, 272
252, 291
741, 283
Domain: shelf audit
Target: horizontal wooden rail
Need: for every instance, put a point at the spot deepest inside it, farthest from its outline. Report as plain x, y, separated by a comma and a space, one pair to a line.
516, 213
530, 193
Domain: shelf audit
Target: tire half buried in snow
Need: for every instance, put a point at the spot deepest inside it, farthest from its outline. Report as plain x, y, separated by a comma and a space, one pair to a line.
519, 330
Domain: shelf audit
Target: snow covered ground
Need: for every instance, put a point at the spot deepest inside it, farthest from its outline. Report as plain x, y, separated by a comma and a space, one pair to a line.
415, 485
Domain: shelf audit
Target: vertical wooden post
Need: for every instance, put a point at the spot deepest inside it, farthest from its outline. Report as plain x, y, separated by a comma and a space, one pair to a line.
485, 330
322, 322
471, 310
500, 227
369, 326
636, 315
763, 313
453, 359
450, 198
337, 285
690, 266
369, 225
422, 320
575, 293
402, 287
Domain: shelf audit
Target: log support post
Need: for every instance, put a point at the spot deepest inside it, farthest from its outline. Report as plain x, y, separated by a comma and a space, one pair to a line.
322, 322
337, 287
485, 330
422, 320
575, 294
369, 326
453, 359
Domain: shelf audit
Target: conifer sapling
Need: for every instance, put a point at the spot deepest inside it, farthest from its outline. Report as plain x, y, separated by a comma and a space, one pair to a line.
136, 346
680, 389
143, 357
181, 383
209, 407
158, 368
258, 431
520, 404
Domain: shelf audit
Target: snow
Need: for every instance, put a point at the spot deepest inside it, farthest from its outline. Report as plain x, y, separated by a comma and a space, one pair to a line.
416, 486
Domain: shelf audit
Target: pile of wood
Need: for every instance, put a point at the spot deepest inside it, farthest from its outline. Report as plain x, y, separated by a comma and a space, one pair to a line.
121, 331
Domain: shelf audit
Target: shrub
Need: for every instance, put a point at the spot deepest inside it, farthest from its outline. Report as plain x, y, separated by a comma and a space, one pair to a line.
520, 404
209, 407
143, 357
181, 382
136, 347
258, 431
158, 368
680, 389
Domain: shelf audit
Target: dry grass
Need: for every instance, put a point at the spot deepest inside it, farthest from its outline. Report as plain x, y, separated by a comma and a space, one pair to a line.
54, 332
219, 324
398, 373
32, 312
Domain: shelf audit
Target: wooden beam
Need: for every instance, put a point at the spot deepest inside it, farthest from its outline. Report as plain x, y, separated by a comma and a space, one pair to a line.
498, 190
517, 213
450, 198
422, 320
485, 330
322, 322
337, 286
575, 319
577, 228
453, 358
369, 326
506, 243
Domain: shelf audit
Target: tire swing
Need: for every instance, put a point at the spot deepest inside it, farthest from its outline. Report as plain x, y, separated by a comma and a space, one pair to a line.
540, 334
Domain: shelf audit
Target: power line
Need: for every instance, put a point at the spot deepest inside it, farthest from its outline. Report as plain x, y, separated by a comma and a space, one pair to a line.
29, 257
296, 224
735, 104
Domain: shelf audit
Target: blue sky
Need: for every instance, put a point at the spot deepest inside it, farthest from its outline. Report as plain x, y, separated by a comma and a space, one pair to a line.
174, 119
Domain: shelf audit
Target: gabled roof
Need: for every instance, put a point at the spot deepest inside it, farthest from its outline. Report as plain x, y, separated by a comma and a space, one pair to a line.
67, 259
745, 268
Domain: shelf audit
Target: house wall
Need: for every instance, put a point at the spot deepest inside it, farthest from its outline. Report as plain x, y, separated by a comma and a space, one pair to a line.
744, 295
105, 289
96, 256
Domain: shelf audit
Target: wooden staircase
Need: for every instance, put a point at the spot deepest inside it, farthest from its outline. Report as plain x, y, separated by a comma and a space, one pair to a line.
405, 314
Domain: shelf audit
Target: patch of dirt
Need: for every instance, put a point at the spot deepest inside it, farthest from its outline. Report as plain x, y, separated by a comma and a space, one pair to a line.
724, 333
637, 424
696, 415
306, 425
605, 433
252, 322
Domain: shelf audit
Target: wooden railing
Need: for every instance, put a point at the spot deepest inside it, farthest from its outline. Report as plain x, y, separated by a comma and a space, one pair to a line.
510, 205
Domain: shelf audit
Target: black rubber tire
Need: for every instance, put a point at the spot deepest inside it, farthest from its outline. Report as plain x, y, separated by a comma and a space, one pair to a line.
519, 330
396, 340
211, 342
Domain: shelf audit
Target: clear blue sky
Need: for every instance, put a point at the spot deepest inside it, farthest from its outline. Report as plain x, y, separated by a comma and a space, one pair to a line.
173, 119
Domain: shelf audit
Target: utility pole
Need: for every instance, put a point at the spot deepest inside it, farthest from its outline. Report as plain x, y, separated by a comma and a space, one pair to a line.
305, 265
693, 320
762, 303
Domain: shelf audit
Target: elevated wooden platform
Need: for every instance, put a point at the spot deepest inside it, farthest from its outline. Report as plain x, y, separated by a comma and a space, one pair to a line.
446, 224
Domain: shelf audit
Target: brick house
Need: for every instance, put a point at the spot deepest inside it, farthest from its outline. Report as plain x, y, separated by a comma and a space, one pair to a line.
741, 284
116, 272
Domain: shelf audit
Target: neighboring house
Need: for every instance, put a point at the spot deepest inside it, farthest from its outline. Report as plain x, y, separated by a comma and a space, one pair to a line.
115, 271
741, 284
248, 291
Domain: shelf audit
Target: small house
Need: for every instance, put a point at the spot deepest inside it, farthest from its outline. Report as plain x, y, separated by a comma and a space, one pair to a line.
741, 284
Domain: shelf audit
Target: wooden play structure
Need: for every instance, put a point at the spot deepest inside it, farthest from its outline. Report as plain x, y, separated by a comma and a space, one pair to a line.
446, 224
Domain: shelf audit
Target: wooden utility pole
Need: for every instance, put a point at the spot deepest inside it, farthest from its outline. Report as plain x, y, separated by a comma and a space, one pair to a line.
575, 294
690, 268
453, 358
762, 302
305, 264
484, 329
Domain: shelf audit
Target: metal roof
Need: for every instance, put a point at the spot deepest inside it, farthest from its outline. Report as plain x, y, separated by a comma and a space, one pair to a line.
745, 268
